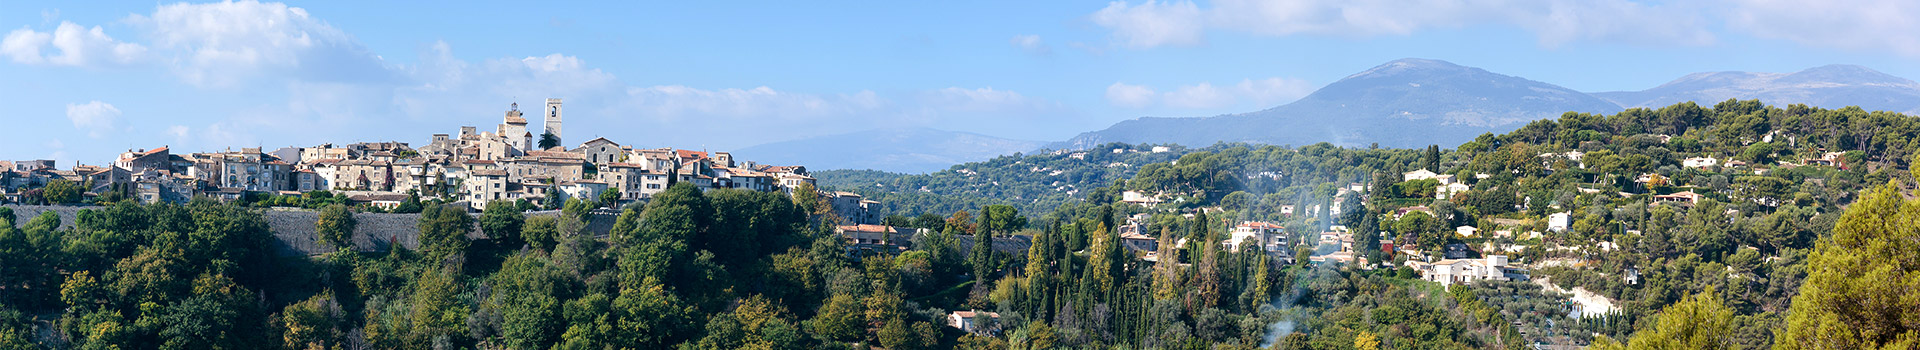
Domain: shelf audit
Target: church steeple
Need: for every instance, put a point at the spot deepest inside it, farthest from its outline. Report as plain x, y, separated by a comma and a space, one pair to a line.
553, 119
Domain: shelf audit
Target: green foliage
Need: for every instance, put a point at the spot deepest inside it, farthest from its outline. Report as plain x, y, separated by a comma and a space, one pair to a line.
541, 231
549, 140
1700, 321
502, 222
528, 290
335, 226
609, 198
1860, 281
1008, 180
1001, 219
60, 191
318, 322
443, 231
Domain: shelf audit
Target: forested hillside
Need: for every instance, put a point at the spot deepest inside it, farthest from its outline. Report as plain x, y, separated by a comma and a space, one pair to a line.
1031, 182
1763, 205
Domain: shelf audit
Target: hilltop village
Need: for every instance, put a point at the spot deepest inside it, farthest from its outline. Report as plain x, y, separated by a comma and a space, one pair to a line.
473, 168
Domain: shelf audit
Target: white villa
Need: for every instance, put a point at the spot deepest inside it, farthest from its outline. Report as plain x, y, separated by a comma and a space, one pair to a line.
1451, 271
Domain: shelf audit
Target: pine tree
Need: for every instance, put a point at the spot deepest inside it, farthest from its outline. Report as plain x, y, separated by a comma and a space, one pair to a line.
1859, 287
1700, 321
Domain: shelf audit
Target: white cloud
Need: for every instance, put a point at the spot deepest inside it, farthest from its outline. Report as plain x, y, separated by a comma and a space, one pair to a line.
1199, 96
227, 43
1152, 23
77, 46
1031, 44
1260, 93
1555, 22
1130, 96
23, 45
985, 99
97, 118
179, 133
1846, 24
1273, 91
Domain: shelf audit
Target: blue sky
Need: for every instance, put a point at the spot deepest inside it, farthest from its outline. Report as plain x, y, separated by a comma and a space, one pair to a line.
86, 81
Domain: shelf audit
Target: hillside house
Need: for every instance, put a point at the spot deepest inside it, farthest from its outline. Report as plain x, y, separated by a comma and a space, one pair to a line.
1687, 198
972, 321
1142, 199
1452, 271
1832, 159
1450, 190
1421, 174
1268, 236
1699, 162
1559, 222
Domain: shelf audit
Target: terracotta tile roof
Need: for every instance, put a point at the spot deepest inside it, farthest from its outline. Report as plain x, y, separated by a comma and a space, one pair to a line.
690, 154
867, 228
1260, 225
490, 173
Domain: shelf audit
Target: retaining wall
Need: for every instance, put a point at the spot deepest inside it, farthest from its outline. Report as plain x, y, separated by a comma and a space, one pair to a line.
294, 233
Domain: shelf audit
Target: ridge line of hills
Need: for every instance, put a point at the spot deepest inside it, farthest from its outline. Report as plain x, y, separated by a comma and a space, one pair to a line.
1404, 103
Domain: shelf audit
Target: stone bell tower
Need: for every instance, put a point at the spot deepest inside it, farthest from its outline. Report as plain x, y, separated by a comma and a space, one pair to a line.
553, 119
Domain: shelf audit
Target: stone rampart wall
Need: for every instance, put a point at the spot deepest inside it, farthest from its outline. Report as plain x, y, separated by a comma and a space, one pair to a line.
294, 233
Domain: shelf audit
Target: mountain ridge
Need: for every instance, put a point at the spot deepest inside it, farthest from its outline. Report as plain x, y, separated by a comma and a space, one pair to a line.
904, 150
1828, 86
1446, 102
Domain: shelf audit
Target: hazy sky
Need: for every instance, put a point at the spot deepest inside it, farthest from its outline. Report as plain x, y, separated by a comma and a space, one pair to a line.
86, 80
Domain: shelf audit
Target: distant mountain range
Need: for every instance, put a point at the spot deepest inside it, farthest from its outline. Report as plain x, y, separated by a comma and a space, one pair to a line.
912, 150
1833, 86
1418, 102
1405, 103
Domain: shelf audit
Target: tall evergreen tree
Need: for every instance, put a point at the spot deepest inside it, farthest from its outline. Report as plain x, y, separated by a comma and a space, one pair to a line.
982, 255
1366, 237
1431, 160
1860, 281
1204, 292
